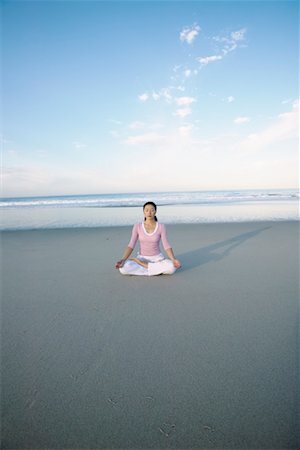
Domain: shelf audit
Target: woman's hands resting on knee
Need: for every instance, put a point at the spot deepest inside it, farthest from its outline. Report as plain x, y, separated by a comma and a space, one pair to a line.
177, 263
120, 264
126, 254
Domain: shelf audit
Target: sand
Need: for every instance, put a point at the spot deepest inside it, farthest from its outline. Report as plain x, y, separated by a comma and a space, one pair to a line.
205, 358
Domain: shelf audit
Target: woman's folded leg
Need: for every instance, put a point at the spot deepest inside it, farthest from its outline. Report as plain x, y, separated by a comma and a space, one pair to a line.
132, 268
165, 267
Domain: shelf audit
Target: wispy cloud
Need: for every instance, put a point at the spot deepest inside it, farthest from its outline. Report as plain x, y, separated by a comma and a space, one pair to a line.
183, 112
208, 59
285, 127
189, 34
34, 178
25, 179
144, 97
145, 138
185, 130
183, 101
238, 35
182, 74
187, 73
227, 45
164, 93
139, 132
241, 120
234, 40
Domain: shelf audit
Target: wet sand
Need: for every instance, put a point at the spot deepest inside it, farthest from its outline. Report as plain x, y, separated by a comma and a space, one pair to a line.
205, 358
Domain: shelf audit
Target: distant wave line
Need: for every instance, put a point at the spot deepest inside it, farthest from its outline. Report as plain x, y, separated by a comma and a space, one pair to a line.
137, 200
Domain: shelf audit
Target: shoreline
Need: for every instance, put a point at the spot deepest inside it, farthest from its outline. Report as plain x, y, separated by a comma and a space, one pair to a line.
205, 358
181, 224
90, 217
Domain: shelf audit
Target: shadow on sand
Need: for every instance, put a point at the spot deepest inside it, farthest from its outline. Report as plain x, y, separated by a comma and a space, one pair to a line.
215, 252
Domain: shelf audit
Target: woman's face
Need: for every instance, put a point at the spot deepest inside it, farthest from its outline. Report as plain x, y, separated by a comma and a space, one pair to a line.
149, 212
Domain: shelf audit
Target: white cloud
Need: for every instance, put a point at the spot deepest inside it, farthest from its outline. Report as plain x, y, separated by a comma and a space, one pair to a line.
183, 112
228, 45
166, 94
229, 48
266, 158
162, 94
25, 180
240, 120
232, 42
144, 97
184, 101
189, 34
189, 72
138, 125
212, 163
238, 35
185, 130
285, 127
36, 179
146, 138
230, 99
208, 59
294, 112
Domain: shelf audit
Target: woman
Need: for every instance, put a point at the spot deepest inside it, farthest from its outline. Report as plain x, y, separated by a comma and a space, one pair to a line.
150, 261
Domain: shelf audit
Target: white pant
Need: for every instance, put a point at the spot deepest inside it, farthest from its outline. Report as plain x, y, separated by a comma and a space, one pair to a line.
157, 265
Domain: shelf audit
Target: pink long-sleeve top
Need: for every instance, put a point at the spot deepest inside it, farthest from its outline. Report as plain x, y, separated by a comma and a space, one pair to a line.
149, 242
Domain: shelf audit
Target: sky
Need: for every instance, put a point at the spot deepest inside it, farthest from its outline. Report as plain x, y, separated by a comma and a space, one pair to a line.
147, 96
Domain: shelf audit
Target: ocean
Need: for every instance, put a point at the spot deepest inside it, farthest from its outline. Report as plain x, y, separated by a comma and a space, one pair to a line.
79, 211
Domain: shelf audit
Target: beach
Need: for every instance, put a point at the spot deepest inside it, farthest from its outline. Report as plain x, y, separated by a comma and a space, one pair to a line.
205, 358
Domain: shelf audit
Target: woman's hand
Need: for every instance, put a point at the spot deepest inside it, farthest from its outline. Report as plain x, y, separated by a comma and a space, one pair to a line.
125, 255
120, 263
177, 263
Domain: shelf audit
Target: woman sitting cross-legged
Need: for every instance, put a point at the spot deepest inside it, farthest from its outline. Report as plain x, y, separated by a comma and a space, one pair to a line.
150, 261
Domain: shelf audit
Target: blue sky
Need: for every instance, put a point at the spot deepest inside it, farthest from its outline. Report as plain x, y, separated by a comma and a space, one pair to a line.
129, 96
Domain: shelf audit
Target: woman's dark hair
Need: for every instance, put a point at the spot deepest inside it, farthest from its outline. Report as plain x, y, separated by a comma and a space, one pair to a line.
154, 206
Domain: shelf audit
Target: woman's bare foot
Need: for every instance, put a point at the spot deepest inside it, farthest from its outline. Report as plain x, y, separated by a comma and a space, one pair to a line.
141, 263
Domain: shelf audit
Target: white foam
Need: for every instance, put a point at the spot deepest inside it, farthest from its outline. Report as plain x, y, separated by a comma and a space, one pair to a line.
163, 198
